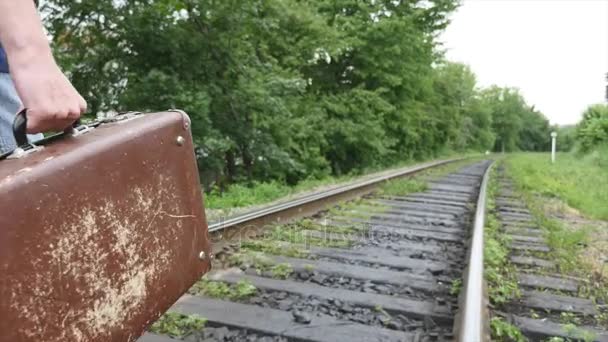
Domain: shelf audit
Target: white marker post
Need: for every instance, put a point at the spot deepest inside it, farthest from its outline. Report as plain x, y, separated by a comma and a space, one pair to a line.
553, 136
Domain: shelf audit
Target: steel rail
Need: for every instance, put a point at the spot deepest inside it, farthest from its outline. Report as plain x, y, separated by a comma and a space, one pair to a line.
472, 324
306, 205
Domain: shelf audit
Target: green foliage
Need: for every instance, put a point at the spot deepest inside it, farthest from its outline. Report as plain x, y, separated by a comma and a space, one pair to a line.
242, 289
251, 259
502, 283
505, 332
564, 243
570, 318
456, 287
240, 195
592, 131
575, 333
309, 267
566, 138
499, 273
597, 157
576, 180
272, 247
402, 187
282, 91
281, 271
516, 125
178, 325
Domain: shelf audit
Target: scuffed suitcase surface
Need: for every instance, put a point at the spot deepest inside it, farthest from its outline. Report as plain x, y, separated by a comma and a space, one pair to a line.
100, 233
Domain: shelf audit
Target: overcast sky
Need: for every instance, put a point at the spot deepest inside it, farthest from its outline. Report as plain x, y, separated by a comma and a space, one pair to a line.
554, 51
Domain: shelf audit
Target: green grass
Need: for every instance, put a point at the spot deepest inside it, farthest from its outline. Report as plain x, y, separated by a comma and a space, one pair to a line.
221, 290
261, 263
579, 181
499, 272
272, 247
564, 243
281, 271
178, 325
504, 331
401, 187
252, 258
456, 287
239, 195
581, 184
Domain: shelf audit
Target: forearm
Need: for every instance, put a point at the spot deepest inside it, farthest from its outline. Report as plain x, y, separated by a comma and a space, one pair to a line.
21, 33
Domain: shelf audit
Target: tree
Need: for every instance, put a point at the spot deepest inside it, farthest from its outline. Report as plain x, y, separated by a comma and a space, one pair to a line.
592, 130
288, 89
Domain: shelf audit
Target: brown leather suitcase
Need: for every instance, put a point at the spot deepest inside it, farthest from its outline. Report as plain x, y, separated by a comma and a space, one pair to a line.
101, 230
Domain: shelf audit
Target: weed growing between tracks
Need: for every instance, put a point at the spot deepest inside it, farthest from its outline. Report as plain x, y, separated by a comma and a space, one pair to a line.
360, 208
178, 325
401, 187
503, 331
281, 271
274, 247
221, 290
248, 259
456, 287
499, 272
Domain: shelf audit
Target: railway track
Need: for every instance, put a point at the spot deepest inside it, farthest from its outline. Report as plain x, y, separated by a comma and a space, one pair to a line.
551, 304
383, 267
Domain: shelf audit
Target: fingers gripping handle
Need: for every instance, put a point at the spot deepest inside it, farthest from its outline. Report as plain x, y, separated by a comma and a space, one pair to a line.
20, 128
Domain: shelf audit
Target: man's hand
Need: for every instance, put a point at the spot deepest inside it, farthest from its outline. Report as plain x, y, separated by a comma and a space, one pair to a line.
52, 102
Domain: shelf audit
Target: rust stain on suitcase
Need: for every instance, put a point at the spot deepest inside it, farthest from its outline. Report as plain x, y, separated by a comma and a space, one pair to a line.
80, 254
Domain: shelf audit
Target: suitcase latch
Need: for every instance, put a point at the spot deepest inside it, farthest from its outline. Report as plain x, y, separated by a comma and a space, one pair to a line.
23, 151
82, 129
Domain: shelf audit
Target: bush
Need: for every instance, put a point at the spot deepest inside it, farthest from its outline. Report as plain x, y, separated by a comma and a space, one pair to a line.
598, 156
592, 131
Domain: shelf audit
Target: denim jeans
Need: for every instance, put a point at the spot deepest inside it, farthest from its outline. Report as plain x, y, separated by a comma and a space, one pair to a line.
9, 105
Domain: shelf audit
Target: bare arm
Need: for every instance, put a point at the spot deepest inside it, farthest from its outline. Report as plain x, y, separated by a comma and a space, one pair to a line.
52, 101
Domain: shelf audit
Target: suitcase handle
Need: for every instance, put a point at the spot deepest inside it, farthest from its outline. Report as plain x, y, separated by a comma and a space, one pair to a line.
20, 131
20, 128
20, 134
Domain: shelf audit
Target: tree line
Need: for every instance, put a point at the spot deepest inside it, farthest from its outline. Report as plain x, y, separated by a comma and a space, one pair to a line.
291, 89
